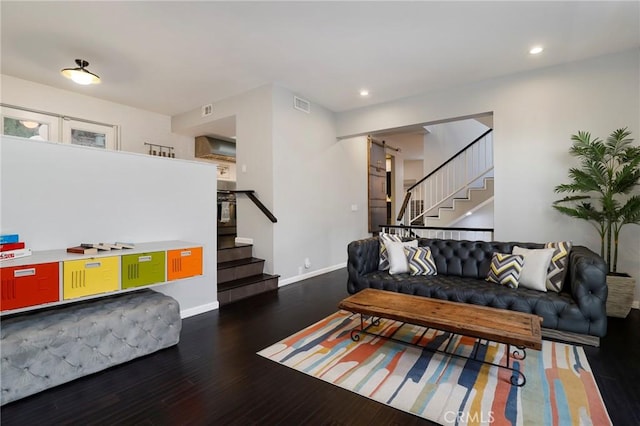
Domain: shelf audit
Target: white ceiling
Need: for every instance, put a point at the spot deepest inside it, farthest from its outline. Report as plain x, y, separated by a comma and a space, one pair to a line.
172, 57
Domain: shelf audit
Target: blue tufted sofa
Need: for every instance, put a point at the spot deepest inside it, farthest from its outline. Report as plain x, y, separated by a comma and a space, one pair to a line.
575, 314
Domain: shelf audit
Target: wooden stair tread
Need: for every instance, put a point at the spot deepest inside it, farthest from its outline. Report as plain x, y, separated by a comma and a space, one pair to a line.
236, 245
239, 262
245, 281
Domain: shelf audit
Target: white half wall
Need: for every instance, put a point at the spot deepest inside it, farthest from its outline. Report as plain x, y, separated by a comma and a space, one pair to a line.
58, 195
136, 126
535, 114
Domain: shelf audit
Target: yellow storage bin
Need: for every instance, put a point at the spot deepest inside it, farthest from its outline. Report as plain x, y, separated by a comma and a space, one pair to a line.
86, 277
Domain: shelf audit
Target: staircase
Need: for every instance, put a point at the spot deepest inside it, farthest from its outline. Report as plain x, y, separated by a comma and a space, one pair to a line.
476, 197
460, 185
240, 275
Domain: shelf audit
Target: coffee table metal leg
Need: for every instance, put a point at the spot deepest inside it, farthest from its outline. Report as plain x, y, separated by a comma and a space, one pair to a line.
355, 333
517, 354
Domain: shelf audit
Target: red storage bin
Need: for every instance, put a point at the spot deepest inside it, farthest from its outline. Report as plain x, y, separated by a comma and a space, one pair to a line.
29, 285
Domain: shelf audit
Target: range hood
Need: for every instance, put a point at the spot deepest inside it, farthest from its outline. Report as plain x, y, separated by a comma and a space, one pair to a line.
215, 149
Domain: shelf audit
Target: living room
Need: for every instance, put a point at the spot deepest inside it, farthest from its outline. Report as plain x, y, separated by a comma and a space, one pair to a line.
310, 169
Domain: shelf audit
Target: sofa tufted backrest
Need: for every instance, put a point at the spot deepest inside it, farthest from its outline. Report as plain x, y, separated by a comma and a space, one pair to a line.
468, 258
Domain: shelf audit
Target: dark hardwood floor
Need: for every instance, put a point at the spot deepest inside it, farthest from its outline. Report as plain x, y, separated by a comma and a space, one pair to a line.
213, 376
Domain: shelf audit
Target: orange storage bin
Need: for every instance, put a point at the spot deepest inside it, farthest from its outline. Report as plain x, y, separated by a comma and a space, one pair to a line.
29, 285
184, 263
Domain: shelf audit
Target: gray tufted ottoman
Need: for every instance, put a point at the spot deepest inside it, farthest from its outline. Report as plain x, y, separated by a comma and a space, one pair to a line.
46, 348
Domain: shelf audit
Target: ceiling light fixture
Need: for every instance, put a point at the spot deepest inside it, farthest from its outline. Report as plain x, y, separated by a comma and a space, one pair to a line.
364, 92
80, 74
29, 124
535, 50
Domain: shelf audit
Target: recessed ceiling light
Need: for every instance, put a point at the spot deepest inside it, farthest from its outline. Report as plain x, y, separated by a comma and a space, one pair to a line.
535, 50
364, 92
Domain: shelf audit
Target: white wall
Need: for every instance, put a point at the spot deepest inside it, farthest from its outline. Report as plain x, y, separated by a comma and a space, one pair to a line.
136, 126
446, 139
254, 152
413, 170
316, 180
59, 195
301, 173
481, 218
535, 114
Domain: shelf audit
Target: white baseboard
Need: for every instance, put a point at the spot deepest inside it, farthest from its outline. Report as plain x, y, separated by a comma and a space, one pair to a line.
186, 313
636, 304
295, 279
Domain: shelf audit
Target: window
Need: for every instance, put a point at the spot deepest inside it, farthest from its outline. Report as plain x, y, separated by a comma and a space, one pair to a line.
24, 123
27, 124
78, 132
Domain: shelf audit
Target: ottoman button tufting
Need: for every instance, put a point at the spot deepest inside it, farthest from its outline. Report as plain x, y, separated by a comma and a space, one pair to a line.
77, 354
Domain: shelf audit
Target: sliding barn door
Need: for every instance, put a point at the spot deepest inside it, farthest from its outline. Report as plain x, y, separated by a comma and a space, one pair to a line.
377, 186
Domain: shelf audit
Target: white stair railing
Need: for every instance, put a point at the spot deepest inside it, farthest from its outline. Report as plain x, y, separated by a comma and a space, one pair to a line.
466, 168
482, 234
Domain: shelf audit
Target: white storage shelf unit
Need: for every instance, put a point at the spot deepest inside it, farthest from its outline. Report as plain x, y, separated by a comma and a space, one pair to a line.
54, 277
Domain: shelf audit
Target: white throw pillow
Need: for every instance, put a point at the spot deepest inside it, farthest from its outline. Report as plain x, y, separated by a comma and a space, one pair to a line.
398, 263
536, 264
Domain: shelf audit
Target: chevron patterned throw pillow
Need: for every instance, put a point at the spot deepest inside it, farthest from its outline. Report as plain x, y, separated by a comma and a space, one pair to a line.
505, 269
558, 266
420, 261
384, 254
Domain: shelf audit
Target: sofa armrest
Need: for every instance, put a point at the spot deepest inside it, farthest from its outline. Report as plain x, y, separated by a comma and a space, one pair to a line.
363, 257
587, 282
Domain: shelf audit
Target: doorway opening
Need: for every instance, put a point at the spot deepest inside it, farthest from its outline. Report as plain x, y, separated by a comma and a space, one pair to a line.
412, 153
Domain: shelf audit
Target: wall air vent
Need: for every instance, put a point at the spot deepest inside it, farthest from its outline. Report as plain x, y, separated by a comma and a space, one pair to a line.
207, 110
301, 104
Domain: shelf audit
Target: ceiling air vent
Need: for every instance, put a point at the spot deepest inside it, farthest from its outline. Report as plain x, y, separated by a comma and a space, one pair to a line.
207, 110
301, 104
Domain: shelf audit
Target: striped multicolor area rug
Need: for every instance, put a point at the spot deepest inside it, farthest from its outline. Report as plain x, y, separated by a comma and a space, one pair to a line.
560, 388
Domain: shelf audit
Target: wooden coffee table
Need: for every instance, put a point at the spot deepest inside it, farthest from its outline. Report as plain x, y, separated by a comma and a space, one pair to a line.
483, 323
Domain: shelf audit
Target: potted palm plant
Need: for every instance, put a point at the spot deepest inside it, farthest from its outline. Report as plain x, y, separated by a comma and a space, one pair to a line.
602, 193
